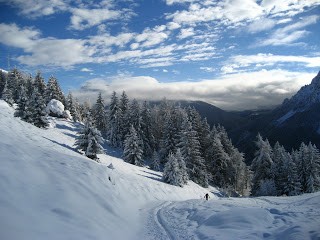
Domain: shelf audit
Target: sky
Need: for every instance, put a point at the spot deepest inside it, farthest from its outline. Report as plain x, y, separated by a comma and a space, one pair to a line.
234, 54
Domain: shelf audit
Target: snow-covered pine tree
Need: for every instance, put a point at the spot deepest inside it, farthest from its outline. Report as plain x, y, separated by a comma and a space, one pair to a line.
146, 132
72, 107
292, 185
262, 181
175, 171
313, 181
100, 115
89, 140
219, 165
155, 161
7, 95
133, 149
171, 173
14, 82
21, 110
53, 91
182, 167
36, 110
3, 81
124, 127
39, 84
190, 149
113, 133
94, 147
279, 168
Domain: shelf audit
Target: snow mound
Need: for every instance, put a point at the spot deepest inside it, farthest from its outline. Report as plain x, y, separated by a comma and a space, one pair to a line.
55, 108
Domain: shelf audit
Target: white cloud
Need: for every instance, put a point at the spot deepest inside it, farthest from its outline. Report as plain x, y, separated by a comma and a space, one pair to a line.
207, 69
261, 60
261, 25
239, 91
186, 32
86, 70
45, 51
290, 33
37, 8
85, 18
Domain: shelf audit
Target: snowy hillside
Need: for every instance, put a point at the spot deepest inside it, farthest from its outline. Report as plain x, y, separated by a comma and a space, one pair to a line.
50, 191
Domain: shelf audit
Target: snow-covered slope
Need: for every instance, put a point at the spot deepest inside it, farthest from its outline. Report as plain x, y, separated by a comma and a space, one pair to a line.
49, 191
304, 99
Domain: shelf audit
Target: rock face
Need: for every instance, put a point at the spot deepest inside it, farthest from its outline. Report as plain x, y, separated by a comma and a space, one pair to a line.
305, 98
55, 108
296, 120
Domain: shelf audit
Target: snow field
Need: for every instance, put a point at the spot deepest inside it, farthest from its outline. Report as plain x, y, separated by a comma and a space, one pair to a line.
50, 191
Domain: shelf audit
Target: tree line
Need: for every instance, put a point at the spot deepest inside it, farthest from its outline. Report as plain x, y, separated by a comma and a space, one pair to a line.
172, 139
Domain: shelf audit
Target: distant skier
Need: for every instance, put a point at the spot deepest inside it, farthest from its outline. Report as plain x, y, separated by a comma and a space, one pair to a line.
206, 196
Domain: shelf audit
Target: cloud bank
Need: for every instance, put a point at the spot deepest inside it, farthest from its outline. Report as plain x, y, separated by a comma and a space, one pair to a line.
240, 91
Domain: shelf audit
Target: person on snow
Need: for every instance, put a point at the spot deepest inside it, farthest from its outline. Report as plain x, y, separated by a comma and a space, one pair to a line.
206, 196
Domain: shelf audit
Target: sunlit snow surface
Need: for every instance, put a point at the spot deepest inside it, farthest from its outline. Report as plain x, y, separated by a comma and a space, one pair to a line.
50, 191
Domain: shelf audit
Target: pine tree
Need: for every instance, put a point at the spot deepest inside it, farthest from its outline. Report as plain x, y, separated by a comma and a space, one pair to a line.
146, 132
7, 95
175, 171
3, 82
182, 168
21, 110
53, 91
133, 149
36, 110
155, 164
113, 133
71, 105
190, 149
89, 140
39, 84
14, 82
100, 115
124, 127
262, 182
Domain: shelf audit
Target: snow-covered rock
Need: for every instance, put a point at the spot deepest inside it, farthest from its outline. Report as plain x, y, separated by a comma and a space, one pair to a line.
55, 108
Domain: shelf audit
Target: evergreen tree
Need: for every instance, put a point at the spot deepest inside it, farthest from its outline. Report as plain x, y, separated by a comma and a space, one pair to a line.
113, 133
36, 110
262, 182
100, 115
71, 105
7, 95
21, 110
146, 132
182, 168
190, 149
14, 82
89, 140
53, 91
133, 149
124, 127
292, 185
175, 171
155, 164
39, 84
3, 82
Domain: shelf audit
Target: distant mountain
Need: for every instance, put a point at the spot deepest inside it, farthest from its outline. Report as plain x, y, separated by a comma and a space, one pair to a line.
296, 120
213, 114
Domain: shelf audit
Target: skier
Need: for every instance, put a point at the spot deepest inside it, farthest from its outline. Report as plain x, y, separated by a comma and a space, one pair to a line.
206, 196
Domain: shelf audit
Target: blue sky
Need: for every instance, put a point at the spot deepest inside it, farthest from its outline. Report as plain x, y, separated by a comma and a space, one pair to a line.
235, 54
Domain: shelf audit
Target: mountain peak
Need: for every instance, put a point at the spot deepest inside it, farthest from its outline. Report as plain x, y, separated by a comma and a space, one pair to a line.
316, 80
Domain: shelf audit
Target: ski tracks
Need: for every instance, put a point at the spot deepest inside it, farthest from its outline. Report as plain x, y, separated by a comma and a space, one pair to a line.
157, 226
